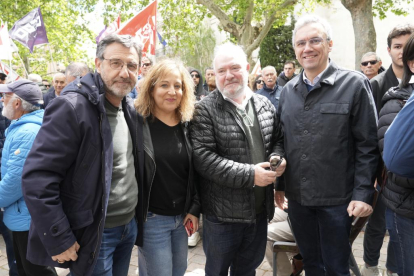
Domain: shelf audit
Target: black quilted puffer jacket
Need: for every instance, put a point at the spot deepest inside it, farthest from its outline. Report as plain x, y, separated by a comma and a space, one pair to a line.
222, 157
398, 194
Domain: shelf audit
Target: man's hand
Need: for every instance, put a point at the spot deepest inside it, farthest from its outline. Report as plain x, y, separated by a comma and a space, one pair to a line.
359, 209
281, 169
263, 177
281, 200
68, 255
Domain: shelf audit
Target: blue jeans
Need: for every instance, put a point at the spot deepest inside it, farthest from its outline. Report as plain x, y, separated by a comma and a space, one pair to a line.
374, 237
116, 249
238, 246
164, 251
322, 235
401, 231
8, 240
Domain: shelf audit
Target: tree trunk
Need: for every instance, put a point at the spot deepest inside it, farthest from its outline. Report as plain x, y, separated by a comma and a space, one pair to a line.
364, 30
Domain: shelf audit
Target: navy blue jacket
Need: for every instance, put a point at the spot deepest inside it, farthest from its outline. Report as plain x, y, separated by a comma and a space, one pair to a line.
49, 96
272, 94
67, 175
4, 124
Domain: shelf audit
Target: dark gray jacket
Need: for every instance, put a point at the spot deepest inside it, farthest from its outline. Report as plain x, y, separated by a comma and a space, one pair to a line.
222, 157
330, 139
67, 175
380, 85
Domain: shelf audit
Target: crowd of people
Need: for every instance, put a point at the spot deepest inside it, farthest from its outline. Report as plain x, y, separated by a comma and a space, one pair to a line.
133, 152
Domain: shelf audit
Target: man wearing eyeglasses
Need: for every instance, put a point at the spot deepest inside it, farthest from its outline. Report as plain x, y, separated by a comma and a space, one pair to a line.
371, 65
329, 121
146, 65
81, 179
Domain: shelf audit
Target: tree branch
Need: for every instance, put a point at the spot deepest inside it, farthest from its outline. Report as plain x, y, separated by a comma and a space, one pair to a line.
227, 24
268, 24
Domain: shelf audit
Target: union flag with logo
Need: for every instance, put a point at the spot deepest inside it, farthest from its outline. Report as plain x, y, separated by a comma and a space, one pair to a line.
143, 26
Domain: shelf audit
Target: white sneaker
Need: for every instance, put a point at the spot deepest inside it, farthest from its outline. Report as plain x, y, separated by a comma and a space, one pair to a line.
391, 274
193, 240
370, 271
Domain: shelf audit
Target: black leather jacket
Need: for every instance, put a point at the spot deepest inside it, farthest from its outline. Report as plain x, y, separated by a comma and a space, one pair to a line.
398, 193
222, 157
192, 202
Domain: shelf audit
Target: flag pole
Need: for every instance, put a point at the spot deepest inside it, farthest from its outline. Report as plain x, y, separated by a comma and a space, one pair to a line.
51, 58
24, 67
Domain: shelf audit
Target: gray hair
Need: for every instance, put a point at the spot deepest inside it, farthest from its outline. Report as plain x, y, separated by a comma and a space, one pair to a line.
77, 69
269, 67
125, 40
371, 54
26, 106
230, 49
34, 78
58, 75
309, 19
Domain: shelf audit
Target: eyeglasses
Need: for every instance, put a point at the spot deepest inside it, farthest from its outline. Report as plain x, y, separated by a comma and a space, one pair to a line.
3, 95
316, 41
195, 76
146, 64
365, 63
118, 64
259, 82
47, 85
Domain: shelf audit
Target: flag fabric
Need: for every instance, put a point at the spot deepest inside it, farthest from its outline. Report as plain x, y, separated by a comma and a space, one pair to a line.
257, 69
5, 46
143, 26
30, 30
11, 75
113, 27
161, 40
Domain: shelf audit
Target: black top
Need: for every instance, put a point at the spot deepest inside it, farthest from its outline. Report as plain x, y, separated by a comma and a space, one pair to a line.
169, 190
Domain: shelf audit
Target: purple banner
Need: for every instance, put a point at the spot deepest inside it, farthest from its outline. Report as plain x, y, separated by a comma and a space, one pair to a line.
30, 30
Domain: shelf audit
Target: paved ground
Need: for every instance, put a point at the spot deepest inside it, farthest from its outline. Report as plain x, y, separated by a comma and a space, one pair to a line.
197, 260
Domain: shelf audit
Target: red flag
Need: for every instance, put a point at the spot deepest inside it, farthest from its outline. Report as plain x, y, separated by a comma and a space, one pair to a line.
113, 27
143, 26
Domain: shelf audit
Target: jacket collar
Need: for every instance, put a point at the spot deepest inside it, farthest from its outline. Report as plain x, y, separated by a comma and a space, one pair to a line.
328, 76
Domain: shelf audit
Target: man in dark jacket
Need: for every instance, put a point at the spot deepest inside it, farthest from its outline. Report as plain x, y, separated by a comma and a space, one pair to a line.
375, 229
329, 120
81, 179
287, 74
271, 89
390, 78
234, 133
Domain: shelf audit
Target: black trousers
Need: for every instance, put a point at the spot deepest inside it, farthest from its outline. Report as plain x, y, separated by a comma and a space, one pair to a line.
24, 267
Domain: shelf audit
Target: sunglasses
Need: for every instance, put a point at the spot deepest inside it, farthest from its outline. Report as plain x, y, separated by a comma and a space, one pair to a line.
259, 82
47, 85
195, 76
365, 63
146, 64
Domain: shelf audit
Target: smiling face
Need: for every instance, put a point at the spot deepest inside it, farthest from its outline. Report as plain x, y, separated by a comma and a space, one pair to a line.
231, 77
167, 94
313, 58
118, 82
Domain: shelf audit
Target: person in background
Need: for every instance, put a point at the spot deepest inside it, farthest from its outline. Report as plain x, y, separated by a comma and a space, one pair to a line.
270, 89
371, 65
287, 74
74, 70
38, 80
199, 91
398, 155
4, 231
59, 82
146, 65
22, 100
209, 73
258, 83
166, 102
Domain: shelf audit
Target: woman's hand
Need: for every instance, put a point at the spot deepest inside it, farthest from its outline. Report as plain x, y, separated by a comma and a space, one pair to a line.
194, 219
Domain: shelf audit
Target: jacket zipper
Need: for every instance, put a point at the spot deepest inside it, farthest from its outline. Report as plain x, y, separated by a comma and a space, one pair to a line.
103, 194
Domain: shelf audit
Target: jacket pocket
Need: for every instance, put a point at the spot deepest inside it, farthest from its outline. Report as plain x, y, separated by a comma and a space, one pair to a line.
80, 219
333, 119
